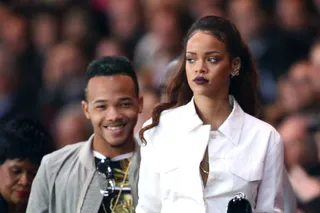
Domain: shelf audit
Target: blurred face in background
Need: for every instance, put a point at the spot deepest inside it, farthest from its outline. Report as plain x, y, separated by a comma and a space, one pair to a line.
317, 4
75, 26
152, 4
287, 95
14, 34
16, 178
164, 25
293, 133
296, 91
291, 13
64, 62
8, 78
125, 17
201, 8
150, 99
44, 31
71, 128
247, 16
300, 77
4, 14
315, 61
108, 47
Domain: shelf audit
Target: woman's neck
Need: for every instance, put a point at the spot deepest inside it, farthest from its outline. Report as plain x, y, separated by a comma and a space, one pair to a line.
17, 208
213, 111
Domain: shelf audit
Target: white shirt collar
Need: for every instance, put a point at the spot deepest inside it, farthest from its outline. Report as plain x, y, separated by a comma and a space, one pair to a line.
231, 127
117, 158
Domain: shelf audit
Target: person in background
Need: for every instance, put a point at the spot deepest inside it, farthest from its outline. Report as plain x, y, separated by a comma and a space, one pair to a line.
71, 125
108, 47
315, 70
99, 175
150, 99
298, 150
307, 189
205, 145
296, 94
62, 80
23, 143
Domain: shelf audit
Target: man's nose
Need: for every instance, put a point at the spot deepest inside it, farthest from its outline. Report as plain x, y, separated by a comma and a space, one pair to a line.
113, 114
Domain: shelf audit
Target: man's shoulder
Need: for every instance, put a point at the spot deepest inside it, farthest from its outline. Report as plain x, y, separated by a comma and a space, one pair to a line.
64, 153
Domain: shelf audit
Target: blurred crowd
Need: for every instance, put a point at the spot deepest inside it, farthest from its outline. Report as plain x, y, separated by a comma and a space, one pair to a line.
46, 45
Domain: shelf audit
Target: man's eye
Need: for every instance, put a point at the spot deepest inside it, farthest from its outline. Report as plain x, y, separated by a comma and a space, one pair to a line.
125, 104
100, 106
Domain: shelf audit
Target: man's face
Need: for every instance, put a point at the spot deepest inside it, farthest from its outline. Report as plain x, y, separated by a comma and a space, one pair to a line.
112, 106
16, 177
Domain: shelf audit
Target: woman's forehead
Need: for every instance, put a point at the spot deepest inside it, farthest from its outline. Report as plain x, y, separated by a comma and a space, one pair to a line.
21, 163
205, 42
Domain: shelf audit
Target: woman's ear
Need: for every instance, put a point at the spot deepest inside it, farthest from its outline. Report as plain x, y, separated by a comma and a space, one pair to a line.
235, 66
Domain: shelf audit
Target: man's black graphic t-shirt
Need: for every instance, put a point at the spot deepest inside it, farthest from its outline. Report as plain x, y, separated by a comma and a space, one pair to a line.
119, 167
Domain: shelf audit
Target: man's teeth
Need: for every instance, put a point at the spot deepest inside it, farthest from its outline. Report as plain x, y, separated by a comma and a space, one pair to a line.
112, 128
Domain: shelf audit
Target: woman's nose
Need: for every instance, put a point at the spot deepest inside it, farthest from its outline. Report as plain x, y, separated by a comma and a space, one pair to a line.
25, 179
201, 67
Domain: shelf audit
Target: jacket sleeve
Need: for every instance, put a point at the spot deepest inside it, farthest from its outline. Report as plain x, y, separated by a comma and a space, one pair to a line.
270, 196
149, 184
40, 196
290, 201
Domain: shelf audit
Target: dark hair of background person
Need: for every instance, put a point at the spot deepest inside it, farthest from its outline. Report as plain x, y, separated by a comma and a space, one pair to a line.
243, 87
111, 65
24, 139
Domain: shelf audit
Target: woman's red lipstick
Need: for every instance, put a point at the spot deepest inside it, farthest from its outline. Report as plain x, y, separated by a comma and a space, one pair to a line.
200, 80
23, 193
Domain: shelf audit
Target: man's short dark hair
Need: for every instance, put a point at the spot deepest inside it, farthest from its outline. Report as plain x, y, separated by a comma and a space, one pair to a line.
111, 65
24, 139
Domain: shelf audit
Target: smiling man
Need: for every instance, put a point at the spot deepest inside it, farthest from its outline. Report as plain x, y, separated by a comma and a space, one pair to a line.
101, 174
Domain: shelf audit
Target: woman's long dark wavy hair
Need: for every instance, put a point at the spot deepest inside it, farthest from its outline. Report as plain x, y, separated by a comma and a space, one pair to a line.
243, 87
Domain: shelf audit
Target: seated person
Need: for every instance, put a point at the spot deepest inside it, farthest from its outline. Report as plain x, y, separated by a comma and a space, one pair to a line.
23, 143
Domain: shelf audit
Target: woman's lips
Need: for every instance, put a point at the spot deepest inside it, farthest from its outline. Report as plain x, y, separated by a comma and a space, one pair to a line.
200, 80
23, 193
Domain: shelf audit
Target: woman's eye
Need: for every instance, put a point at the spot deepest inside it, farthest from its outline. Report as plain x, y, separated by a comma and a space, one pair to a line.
212, 60
190, 60
16, 171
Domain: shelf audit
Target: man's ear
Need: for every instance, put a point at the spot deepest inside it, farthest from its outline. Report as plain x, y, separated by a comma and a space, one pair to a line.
235, 66
84, 105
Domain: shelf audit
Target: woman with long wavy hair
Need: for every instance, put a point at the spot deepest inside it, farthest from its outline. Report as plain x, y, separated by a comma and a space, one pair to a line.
206, 144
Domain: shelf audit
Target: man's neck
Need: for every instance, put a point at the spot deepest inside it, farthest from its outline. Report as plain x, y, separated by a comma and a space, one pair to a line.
110, 151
